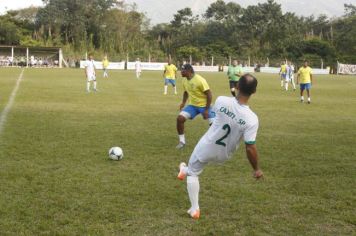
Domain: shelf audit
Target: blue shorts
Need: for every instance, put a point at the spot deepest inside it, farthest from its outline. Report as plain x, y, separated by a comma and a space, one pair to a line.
170, 81
190, 112
305, 86
284, 75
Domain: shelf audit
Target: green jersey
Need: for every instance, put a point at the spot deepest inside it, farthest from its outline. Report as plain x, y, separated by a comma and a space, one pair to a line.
234, 73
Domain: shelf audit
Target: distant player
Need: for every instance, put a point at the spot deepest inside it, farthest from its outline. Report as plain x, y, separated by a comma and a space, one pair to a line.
105, 63
197, 91
169, 74
283, 73
305, 77
138, 68
234, 121
234, 73
290, 76
90, 73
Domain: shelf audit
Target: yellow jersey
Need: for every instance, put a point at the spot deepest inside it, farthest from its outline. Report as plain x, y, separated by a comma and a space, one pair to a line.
170, 71
284, 68
195, 87
105, 63
304, 74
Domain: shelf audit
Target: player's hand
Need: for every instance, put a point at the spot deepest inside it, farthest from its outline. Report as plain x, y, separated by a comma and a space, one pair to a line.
206, 114
181, 106
258, 174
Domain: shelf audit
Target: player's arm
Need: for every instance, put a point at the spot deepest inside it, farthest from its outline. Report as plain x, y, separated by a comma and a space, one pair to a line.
185, 98
209, 97
311, 78
298, 77
251, 152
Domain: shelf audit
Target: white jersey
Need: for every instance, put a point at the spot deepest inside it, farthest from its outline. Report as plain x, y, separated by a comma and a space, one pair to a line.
138, 66
233, 122
290, 72
90, 68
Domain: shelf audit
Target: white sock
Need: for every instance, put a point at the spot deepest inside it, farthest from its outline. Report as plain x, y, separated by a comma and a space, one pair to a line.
94, 85
193, 191
308, 99
286, 86
293, 84
181, 138
302, 98
88, 86
281, 83
175, 90
165, 89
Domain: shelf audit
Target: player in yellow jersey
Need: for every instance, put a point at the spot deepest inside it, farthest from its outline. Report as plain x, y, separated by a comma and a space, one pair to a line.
197, 92
169, 74
105, 67
305, 77
283, 73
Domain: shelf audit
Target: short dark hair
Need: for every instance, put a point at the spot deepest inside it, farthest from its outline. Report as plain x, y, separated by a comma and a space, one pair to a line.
188, 67
247, 84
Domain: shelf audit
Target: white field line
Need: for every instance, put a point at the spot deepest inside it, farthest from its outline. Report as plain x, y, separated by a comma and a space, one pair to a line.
8, 106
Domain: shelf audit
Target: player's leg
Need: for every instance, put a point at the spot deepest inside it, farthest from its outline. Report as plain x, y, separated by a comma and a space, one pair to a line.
286, 84
166, 81
189, 112
211, 114
308, 93
94, 83
232, 88
193, 170
302, 87
89, 79
282, 79
293, 83
173, 82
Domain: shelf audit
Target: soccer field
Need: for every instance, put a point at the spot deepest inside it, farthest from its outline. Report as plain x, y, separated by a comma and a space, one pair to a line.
56, 178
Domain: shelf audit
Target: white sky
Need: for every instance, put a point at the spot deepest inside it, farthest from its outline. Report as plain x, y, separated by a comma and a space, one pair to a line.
6, 5
152, 7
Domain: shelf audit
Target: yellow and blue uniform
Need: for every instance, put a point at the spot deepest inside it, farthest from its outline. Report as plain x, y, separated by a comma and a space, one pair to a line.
305, 77
197, 99
170, 74
283, 71
105, 63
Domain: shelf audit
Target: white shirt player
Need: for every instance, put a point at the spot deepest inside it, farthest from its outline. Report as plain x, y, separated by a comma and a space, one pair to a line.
90, 69
233, 122
138, 66
290, 72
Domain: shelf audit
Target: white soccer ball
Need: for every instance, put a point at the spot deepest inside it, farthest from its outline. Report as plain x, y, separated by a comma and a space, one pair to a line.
116, 153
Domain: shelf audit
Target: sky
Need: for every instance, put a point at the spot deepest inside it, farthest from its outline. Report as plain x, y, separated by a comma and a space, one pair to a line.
160, 11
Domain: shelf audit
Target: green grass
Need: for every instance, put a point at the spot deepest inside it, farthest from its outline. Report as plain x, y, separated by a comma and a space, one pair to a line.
56, 178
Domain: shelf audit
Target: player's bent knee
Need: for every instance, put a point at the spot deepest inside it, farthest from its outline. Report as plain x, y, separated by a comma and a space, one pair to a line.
181, 119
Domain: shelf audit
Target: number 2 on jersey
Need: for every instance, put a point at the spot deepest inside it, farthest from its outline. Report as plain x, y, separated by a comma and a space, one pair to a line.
220, 140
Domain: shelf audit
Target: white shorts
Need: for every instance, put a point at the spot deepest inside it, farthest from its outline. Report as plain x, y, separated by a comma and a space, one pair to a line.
202, 155
195, 167
91, 78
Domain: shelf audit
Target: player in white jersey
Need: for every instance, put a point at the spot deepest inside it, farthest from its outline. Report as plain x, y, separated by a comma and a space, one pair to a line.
90, 73
289, 76
234, 121
138, 68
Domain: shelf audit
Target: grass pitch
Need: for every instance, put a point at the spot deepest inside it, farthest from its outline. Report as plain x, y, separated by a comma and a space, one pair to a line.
56, 179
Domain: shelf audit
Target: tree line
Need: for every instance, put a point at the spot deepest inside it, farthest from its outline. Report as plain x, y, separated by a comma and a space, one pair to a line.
226, 30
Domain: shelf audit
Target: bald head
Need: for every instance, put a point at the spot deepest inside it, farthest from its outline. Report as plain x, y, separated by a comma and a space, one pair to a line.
247, 85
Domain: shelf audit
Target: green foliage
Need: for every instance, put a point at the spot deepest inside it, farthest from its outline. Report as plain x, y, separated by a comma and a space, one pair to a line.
117, 29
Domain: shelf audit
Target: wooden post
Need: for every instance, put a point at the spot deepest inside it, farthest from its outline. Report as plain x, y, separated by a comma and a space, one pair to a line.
27, 52
60, 58
212, 61
12, 56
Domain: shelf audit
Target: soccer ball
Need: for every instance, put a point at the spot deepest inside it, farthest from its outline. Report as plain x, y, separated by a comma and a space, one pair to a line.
116, 153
